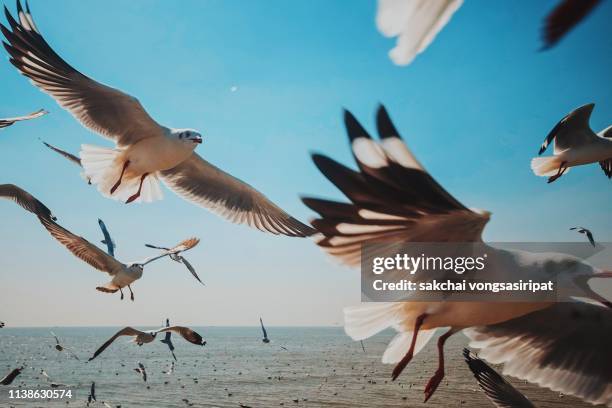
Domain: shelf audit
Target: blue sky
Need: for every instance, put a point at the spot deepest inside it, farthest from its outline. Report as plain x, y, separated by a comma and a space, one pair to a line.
474, 108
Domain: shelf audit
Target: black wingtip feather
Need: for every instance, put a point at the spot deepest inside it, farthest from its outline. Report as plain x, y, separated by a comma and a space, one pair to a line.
384, 124
353, 127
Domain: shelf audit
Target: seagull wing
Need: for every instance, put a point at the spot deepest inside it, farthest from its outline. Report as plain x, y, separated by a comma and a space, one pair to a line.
9, 121
92, 391
67, 155
571, 131
415, 22
81, 248
25, 200
393, 198
185, 332
589, 235
10, 377
184, 245
564, 347
606, 165
110, 244
499, 391
203, 184
105, 110
54, 336
563, 18
263, 329
126, 331
191, 269
156, 247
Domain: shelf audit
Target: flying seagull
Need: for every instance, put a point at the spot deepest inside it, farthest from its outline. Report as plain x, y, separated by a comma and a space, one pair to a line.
9, 121
10, 377
265, 333
575, 145
108, 241
171, 369
563, 18
394, 199
585, 231
1, 325
175, 256
92, 394
145, 151
141, 337
168, 341
61, 348
141, 370
70, 157
122, 274
499, 391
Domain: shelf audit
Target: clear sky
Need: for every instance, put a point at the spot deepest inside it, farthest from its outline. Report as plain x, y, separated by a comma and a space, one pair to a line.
474, 108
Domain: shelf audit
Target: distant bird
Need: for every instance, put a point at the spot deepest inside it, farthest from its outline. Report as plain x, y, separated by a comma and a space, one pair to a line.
585, 231
362, 346
145, 150
170, 371
61, 348
142, 371
564, 18
10, 377
141, 337
575, 145
122, 274
10, 121
175, 256
1, 325
499, 391
92, 394
70, 157
393, 199
44, 374
108, 241
265, 333
168, 341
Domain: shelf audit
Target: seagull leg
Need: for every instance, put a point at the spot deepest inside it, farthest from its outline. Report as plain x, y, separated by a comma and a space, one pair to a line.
120, 290
560, 172
118, 183
434, 381
404, 362
135, 196
131, 293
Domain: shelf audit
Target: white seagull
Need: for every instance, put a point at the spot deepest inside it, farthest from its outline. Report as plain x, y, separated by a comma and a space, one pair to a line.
6, 122
145, 151
108, 241
141, 337
176, 257
575, 145
586, 232
394, 199
122, 274
60, 348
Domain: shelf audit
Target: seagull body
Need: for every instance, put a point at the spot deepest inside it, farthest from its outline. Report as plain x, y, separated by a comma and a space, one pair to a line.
167, 340
122, 274
10, 121
586, 232
10, 377
265, 338
575, 145
394, 199
145, 151
1, 325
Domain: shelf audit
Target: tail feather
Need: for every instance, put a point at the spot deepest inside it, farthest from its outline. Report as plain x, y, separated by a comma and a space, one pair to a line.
400, 344
546, 166
363, 321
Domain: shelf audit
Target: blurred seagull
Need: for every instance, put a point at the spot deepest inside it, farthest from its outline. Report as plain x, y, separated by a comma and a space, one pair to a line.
575, 145
265, 333
563, 18
585, 231
171, 369
70, 157
10, 377
61, 348
92, 394
141, 337
394, 199
122, 274
9, 121
175, 256
168, 342
108, 241
145, 150
499, 391
1, 325
141, 370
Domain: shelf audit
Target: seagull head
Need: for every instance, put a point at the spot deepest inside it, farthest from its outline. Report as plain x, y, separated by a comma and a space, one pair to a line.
190, 137
581, 279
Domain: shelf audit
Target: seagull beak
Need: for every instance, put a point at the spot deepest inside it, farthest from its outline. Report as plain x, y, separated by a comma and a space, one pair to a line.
197, 140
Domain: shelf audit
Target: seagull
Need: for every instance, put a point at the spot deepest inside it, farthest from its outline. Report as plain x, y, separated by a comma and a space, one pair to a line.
108, 241
499, 391
168, 342
145, 151
141, 337
122, 274
92, 393
141, 370
61, 348
394, 199
565, 16
265, 333
175, 256
171, 369
1, 325
10, 377
70, 157
585, 231
9, 121
575, 145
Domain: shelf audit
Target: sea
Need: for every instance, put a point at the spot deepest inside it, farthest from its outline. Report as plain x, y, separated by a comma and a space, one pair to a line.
300, 367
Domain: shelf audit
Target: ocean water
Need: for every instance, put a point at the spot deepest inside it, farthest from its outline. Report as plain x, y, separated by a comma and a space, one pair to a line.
321, 367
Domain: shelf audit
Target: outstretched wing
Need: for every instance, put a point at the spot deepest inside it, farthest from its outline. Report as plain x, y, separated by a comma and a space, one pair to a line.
606, 165
564, 347
263, 328
571, 131
186, 333
10, 377
25, 200
191, 269
563, 18
203, 184
69, 156
392, 198
105, 110
9, 121
499, 391
110, 244
127, 331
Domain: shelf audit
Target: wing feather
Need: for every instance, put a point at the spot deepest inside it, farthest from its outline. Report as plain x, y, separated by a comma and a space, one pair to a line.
126, 331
